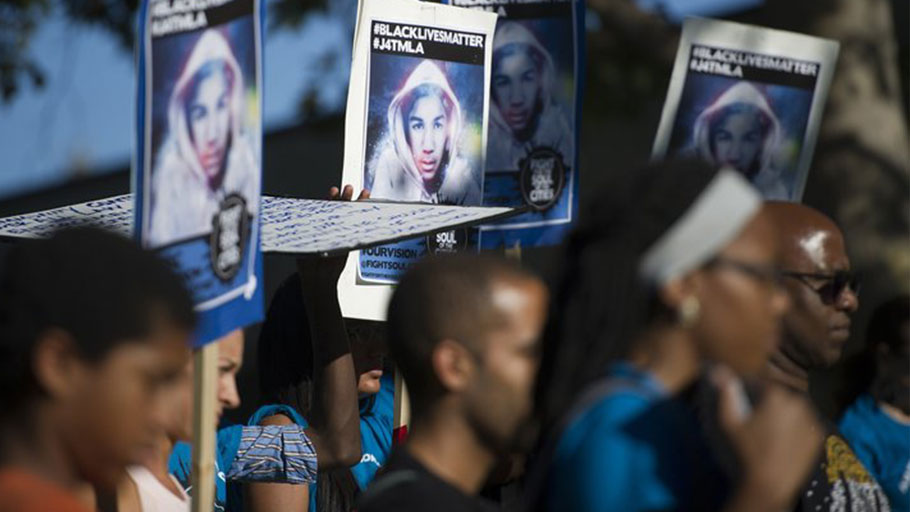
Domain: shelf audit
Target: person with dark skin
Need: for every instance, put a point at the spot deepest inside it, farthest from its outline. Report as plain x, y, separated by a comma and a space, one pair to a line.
823, 292
335, 407
92, 331
669, 284
877, 425
464, 332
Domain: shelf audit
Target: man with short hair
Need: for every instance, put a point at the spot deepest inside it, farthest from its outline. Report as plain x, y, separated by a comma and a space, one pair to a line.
823, 295
464, 332
92, 331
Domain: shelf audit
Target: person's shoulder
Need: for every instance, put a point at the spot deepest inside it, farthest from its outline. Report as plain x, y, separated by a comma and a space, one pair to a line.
598, 433
617, 406
857, 413
409, 490
401, 491
24, 492
277, 414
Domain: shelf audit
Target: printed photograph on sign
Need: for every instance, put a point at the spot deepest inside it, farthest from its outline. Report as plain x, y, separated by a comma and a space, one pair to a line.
531, 153
424, 131
204, 137
756, 127
198, 163
531, 117
749, 98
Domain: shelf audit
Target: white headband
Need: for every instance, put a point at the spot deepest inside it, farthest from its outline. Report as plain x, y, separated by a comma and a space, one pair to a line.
713, 220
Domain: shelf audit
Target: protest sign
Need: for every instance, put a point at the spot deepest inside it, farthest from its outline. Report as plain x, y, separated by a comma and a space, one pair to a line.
535, 107
415, 128
289, 225
198, 164
750, 98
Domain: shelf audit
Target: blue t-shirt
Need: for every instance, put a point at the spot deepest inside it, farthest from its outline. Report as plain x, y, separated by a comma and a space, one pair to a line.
376, 417
882, 445
180, 462
634, 449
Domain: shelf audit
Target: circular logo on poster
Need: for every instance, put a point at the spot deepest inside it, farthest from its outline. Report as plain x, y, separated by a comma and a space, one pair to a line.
542, 177
447, 242
230, 235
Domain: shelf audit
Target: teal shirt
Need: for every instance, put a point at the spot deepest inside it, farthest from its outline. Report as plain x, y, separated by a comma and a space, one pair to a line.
882, 445
635, 448
376, 417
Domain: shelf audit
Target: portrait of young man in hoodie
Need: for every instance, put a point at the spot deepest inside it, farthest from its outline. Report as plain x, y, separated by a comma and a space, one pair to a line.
740, 130
207, 153
524, 114
419, 159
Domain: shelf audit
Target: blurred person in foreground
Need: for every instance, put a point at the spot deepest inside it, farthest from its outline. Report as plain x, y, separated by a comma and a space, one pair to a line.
93, 330
464, 332
824, 295
671, 281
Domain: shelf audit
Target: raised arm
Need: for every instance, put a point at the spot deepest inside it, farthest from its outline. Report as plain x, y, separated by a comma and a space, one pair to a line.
335, 422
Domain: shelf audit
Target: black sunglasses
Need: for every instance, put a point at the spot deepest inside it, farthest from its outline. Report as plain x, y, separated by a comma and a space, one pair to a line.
834, 284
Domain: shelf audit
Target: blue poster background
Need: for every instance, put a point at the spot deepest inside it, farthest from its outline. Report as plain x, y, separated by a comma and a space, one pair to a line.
223, 303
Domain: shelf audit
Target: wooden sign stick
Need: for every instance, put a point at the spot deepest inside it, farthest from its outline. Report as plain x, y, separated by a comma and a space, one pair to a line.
205, 380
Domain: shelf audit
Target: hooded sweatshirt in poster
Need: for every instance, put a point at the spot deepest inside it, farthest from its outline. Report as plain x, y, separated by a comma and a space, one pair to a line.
534, 114
415, 128
197, 169
748, 98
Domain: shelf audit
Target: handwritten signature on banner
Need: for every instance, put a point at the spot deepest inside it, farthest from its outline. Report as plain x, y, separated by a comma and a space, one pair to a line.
287, 225
113, 213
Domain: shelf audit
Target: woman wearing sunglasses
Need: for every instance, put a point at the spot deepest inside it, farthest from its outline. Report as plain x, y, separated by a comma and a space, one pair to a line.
670, 279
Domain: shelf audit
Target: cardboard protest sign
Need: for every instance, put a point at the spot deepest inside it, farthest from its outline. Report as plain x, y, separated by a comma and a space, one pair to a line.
289, 225
415, 128
535, 107
198, 164
750, 98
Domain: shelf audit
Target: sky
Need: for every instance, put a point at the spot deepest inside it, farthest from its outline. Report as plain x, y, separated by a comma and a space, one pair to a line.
82, 121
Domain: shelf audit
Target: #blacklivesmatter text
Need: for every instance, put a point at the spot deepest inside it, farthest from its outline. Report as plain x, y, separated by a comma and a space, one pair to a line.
169, 16
721, 61
391, 37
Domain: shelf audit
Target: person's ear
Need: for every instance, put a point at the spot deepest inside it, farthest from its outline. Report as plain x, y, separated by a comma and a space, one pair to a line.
56, 363
682, 297
453, 365
678, 290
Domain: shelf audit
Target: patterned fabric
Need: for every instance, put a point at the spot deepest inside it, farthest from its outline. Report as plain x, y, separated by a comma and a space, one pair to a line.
841, 483
274, 454
263, 454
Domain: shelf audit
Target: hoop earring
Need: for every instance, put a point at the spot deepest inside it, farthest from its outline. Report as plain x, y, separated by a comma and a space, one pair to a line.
689, 311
